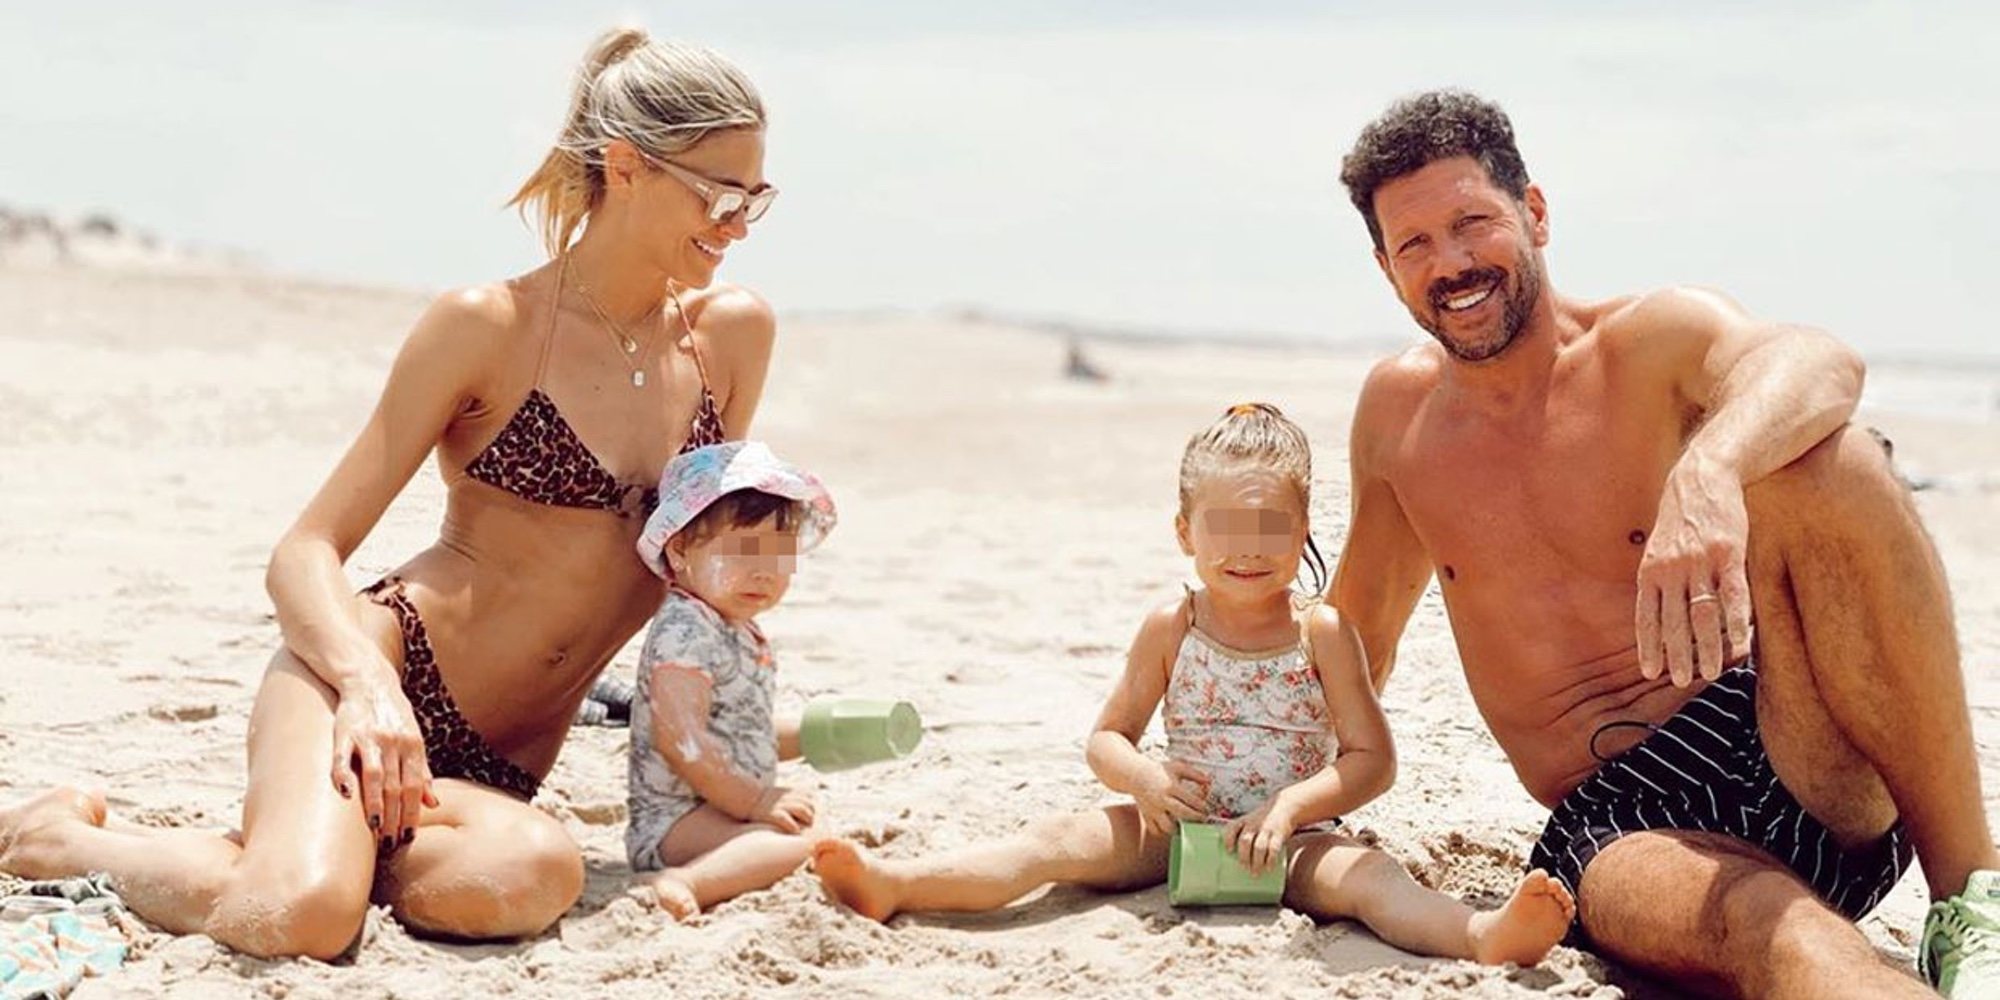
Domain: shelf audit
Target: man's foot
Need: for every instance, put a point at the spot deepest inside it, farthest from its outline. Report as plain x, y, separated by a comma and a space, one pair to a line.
1530, 923
854, 878
668, 891
31, 831
1960, 950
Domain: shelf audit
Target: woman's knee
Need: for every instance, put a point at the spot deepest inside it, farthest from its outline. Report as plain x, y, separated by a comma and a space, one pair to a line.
553, 861
301, 912
550, 882
519, 888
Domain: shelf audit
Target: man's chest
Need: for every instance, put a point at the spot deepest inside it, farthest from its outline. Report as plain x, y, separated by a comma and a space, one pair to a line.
1573, 491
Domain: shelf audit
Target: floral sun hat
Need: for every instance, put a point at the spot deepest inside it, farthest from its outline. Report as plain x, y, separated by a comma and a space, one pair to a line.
697, 478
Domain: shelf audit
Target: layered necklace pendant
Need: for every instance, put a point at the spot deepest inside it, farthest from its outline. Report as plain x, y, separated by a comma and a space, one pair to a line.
630, 345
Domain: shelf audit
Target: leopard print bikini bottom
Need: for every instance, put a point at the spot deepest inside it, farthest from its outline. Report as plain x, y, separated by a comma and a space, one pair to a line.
452, 747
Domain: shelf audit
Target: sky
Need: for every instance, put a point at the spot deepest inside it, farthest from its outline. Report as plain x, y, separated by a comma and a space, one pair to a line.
1160, 166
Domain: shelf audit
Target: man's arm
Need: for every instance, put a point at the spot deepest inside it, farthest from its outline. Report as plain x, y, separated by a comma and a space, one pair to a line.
1760, 395
1383, 566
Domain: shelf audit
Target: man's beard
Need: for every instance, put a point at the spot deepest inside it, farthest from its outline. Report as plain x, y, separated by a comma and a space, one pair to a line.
1518, 305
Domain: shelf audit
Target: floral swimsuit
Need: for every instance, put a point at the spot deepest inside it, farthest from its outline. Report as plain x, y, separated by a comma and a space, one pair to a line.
1254, 721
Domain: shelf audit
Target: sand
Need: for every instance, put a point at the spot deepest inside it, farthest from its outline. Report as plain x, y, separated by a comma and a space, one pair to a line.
1003, 530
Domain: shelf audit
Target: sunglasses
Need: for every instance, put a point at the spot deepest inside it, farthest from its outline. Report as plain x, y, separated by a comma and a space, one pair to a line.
724, 200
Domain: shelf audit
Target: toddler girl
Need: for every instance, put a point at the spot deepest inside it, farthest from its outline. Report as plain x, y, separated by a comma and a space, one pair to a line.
705, 810
1272, 727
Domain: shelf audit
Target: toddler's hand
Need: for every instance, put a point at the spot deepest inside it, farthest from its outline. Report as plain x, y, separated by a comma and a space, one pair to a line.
1174, 791
1259, 838
788, 809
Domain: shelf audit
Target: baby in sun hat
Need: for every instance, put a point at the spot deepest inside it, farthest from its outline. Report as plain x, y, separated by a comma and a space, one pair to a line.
696, 480
706, 812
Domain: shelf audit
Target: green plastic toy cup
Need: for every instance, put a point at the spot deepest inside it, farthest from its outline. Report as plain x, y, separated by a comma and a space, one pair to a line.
839, 733
1201, 873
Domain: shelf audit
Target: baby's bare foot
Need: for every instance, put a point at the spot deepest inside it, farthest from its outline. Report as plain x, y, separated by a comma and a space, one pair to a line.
31, 832
854, 878
668, 891
1524, 929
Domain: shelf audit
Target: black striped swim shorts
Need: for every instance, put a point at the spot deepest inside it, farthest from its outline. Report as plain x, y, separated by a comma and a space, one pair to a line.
1705, 769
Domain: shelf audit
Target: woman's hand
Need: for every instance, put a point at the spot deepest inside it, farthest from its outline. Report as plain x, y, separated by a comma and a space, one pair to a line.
1259, 838
788, 809
1169, 793
376, 740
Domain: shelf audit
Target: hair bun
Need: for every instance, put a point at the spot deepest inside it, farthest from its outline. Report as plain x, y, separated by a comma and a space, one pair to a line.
1246, 409
610, 47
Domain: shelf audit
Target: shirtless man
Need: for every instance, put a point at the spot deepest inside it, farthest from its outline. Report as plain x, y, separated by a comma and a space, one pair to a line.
1612, 494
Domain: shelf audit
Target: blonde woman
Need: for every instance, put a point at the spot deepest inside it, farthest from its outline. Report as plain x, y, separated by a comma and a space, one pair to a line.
399, 735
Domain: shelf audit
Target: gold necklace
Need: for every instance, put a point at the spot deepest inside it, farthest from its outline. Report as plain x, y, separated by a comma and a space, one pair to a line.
624, 341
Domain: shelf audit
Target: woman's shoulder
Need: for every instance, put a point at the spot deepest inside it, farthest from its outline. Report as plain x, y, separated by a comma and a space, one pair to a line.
475, 318
730, 319
489, 309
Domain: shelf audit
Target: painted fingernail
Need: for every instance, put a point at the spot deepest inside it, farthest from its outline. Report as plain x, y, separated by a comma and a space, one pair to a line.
409, 834
388, 844
375, 821
346, 792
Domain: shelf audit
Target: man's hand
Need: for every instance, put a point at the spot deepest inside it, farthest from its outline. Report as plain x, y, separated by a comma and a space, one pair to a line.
1694, 594
1259, 838
1174, 791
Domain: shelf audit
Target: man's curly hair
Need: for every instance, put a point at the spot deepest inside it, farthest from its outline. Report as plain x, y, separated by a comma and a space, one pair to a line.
1422, 129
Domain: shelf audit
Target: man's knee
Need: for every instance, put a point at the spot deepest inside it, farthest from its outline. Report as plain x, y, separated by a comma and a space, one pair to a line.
1848, 472
1842, 498
1773, 925
314, 914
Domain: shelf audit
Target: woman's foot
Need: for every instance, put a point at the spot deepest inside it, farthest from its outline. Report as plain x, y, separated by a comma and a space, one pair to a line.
31, 832
1524, 929
855, 878
671, 893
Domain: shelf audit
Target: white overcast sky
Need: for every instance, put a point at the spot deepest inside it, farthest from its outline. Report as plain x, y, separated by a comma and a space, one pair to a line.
1153, 165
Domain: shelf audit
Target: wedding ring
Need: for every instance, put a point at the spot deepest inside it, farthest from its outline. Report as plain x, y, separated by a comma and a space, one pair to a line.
1702, 599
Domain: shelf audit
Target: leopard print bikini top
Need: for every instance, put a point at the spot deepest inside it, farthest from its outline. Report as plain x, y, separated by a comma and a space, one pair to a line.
539, 458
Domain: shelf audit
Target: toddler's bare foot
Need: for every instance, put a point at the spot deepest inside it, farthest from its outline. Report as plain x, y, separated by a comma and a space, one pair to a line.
1524, 929
668, 891
855, 878
31, 832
